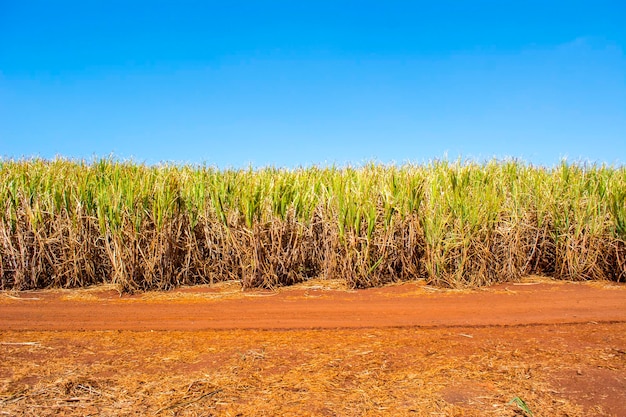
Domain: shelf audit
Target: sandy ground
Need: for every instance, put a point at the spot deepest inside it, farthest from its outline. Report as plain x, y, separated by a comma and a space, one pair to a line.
317, 349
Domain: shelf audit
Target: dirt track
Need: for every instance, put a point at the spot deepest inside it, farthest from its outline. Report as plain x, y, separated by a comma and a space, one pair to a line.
407, 305
403, 350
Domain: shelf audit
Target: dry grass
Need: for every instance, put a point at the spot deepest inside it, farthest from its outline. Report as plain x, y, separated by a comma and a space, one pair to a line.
375, 372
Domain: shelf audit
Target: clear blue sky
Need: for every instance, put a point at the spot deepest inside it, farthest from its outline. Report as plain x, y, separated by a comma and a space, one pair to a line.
291, 83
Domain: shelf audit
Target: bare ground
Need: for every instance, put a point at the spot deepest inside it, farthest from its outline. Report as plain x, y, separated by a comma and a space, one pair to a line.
318, 349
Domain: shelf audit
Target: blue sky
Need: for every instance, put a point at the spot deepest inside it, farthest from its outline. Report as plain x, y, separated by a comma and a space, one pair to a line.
291, 83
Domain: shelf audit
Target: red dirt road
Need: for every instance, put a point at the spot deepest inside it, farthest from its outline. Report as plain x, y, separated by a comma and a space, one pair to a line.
402, 350
408, 305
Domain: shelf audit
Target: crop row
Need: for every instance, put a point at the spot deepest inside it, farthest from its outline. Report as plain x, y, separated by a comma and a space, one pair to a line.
70, 223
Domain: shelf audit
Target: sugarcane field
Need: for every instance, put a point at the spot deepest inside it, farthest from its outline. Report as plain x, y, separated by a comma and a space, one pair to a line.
450, 289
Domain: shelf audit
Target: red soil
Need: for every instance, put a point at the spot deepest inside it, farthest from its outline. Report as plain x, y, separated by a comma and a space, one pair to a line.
560, 346
407, 305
